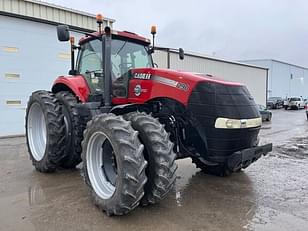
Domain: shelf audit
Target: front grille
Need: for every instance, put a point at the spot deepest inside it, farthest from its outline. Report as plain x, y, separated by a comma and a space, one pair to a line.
209, 101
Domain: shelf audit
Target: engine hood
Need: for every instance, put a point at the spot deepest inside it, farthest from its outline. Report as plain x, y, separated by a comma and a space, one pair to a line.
152, 83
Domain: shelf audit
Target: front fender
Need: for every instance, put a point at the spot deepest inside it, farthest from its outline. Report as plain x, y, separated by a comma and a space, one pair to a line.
126, 108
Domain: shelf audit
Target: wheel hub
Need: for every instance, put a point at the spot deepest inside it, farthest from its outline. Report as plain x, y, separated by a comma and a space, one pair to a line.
36, 131
109, 162
101, 165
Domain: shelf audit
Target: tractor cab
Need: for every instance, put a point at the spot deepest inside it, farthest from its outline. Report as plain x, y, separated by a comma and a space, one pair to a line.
105, 60
126, 54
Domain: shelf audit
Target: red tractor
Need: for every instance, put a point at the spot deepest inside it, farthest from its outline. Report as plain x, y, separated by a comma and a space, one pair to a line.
129, 121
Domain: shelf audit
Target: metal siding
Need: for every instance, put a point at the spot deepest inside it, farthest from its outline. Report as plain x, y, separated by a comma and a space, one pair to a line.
36, 11
29, 9
283, 85
79, 20
7, 5
160, 58
22, 7
280, 82
43, 12
297, 85
53, 13
254, 78
49, 14
190, 63
36, 62
15, 6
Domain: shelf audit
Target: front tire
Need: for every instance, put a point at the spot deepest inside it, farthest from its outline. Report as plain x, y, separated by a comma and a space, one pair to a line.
159, 154
44, 129
113, 164
74, 128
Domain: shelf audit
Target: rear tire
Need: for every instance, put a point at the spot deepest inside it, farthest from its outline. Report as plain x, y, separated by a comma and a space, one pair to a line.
74, 128
216, 170
44, 129
116, 188
159, 154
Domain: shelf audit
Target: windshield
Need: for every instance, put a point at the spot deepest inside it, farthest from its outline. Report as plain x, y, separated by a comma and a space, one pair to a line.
125, 55
295, 99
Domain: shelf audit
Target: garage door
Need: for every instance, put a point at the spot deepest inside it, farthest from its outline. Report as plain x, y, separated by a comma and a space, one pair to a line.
30, 59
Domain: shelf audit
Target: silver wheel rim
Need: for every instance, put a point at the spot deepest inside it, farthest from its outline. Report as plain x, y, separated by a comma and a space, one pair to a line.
102, 187
36, 131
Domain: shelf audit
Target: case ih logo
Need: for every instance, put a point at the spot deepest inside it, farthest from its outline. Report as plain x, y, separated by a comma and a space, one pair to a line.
142, 76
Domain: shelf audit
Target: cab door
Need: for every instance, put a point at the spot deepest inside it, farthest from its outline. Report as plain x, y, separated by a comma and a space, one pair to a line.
90, 66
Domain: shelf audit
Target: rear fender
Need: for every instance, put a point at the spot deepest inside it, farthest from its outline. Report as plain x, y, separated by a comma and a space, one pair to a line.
75, 84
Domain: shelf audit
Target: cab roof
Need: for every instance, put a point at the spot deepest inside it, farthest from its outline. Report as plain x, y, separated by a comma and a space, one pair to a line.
120, 34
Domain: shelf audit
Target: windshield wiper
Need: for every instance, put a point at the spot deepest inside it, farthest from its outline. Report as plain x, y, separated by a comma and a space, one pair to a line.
120, 49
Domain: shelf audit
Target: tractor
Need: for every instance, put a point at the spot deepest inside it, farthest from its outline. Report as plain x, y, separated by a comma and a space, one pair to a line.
127, 121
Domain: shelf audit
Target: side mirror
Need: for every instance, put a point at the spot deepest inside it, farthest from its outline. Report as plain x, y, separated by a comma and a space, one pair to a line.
63, 33
181, 53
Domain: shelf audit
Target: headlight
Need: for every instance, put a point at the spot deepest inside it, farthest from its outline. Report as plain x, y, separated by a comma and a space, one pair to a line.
237, 123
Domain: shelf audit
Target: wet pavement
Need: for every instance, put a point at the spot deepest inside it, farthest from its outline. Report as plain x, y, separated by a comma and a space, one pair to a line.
272, 194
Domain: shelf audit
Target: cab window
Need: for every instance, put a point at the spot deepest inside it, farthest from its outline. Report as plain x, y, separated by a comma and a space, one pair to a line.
90, 65
126, 55
91, 57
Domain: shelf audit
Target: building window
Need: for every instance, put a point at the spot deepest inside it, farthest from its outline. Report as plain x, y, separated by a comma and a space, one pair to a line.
11, 49
63, 55
13, 102
12, 76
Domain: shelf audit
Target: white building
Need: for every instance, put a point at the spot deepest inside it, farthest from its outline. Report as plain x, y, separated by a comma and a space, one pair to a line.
284, 79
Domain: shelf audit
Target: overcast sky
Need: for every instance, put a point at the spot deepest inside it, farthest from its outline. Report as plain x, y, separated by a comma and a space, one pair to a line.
237, 30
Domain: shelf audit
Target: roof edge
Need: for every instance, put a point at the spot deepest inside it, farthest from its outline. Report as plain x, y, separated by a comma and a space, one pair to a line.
52, 5
198, 55
274, 60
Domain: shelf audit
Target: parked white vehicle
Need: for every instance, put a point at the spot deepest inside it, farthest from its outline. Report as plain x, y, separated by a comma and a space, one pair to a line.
286, 103
296, 103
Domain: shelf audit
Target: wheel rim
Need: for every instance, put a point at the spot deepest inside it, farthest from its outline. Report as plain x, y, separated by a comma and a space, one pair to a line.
36, 131
101, 165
